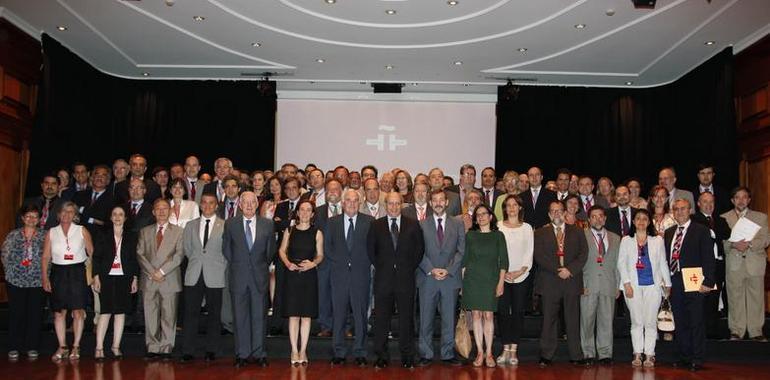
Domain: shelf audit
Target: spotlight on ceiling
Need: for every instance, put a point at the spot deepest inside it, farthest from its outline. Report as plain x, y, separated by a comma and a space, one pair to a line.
644, 4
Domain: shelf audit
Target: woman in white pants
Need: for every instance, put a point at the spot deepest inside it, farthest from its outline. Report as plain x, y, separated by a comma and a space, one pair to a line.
644, 279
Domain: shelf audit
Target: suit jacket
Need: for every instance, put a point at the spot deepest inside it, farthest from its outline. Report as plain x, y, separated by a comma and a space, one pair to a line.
395, 266
722, 202
222, 209
248, 269
381, 210
537, 216
454, 207
629, 255
697, 250
601, 278
167, 257
53, 210
445, 255
495, 193
597, 201
143, 217
207, 260
613, 220
322, 216
411, 211
100, 210
756, 257
211, 188
104, 253
720, 232
350, 268
547, 281
153, 191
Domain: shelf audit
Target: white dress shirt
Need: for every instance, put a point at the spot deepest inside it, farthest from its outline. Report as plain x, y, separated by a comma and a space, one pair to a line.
202, 227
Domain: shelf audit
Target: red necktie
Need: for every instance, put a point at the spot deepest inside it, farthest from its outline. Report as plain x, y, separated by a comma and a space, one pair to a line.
159, 237
192, 190
44, 213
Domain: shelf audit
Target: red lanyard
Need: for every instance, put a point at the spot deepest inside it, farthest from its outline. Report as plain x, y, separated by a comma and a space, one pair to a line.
599, 243
640, 253
27, 260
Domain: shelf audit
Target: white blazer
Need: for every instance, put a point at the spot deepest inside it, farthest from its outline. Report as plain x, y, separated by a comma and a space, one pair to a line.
187, 211
629, 255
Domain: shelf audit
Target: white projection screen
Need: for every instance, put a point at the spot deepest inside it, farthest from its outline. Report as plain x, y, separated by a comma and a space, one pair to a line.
415, 136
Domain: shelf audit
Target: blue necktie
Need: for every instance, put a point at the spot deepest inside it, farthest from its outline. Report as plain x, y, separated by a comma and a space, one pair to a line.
349, 237
249, 238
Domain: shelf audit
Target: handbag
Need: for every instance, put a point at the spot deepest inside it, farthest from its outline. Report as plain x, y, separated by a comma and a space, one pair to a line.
463, 343
665, 316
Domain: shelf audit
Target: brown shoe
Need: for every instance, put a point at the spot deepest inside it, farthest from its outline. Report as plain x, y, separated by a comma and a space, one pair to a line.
735, 337
324, 334
759, 338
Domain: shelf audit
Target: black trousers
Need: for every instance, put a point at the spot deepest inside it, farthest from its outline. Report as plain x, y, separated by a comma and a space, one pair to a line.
192, 312
554, 301
510, 312
25, 309
383, 309
690, 334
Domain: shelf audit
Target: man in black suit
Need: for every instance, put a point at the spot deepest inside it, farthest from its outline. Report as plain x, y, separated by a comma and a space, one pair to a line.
689, 245
488, 190
395, 247
229, 207
587, 198
48, 202
719, 231
345, 254
119, 174
95, 203
139, 209
621, 218
138, 166
536, 199
223, 167
332, 208
706, 184
560, 251
80, 177
563, 176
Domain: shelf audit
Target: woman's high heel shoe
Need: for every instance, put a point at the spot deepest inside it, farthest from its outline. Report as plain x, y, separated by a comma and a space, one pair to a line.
60, 354
75, 353
99, 355
490, 361
295, 359
116, 353
303, 359
479, 360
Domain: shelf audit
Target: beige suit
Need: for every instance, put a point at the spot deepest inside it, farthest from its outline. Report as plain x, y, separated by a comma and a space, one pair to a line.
745, 278
160, 298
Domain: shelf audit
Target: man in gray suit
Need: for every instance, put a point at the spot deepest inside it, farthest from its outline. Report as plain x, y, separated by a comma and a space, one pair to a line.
205, 276
667, 179
436, 182
348, 262
159, 253
439, 279
600, 289
248, 244
373, 204
194, 185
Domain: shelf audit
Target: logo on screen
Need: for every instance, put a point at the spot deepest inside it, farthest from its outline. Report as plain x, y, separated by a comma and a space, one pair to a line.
391, 143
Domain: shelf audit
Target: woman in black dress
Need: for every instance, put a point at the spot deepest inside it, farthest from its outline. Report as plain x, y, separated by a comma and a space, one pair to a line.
301, 251
115, 279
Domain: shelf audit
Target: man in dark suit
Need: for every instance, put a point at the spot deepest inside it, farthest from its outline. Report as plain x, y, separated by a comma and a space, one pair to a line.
229, 207
561, 252
536, 199
395, 247
80, 177
95, 203
488, 190
138, 166
563, 176
223, 167
48, 202
347, 260
420, 209
436, 182
139, 209
586, 197
689, 245
192, 167
719, 231
439, 279
706, 184
621, 218
332, 208
119, 174
248, 244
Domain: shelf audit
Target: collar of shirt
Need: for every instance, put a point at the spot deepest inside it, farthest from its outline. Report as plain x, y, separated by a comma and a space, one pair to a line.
442, 217
710, 188
212, 219
191, 180
685, 225
158, 227
562, 194
586, 198
331, 208
347, 220
137, 203
534, 189
98, 193
596, 234
372, 205
555, 227
743, 213
398, 221
253, 220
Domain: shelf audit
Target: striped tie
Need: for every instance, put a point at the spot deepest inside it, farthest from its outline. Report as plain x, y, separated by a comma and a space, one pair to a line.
674, 264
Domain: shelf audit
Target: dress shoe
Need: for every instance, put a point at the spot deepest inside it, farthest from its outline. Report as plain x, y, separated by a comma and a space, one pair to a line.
151, 356
681, 364
324, 333
407, 363
239, 363
735, 337
605, 361
452, 362
262, 362
209, 356
338, 361
361, 361
381, 363
759, 338
543, 362
186, 358
694, 367
589, 362
424, 362
578, 362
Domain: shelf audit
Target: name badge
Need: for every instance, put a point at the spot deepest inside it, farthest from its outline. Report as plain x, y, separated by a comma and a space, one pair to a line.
115, 265
26, 262
639, 265
69, 256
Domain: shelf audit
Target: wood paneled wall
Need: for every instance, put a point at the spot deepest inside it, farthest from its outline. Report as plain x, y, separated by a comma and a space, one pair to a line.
20, 60
752, 101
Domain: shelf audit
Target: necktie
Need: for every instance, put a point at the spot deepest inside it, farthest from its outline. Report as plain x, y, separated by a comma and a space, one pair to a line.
623, 223
588, 204
394, 232
44, 213
312, 198
560, 243
373, 210
486, 194
420, 213
93, 198
440, 231
710, 221
291, 206
335, 210
249, 237
349, 236
192, 190
600, 247
231, 210
206, 233
134, 209
534, 198
159, 237
674, 264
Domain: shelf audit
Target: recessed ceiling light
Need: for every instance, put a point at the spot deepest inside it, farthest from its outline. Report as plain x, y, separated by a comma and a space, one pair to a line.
320, 60
330, 1
709, 43
609, 12
256, 44
362, 82
61, 28
522, 50
458, 63
198, 18
145, 74
629, 83
415, 84
389, 67
580, 26
466, 84
453, 2
390, 11
312, 82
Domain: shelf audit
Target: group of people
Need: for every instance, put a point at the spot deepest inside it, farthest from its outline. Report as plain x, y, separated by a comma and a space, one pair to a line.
341, 246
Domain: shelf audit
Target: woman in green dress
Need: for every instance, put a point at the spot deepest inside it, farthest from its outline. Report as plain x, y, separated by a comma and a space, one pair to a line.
484, 265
